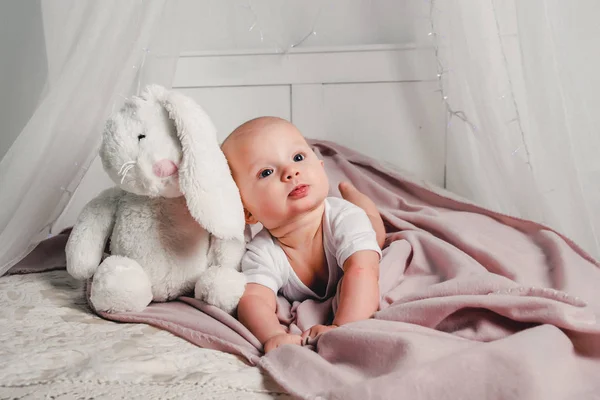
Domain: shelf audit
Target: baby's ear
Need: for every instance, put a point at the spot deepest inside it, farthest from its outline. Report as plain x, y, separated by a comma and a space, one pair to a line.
250, 219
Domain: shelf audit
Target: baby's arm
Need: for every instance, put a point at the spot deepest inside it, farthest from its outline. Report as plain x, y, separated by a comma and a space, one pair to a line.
257, 311
359, 199
359, 291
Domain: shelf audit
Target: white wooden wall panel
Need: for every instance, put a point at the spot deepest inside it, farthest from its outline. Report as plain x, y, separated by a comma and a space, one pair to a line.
229, 107
333, 65
400, 123
379, 100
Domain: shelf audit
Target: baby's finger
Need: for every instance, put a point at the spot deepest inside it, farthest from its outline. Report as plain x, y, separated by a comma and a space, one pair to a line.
316, 331
305, 336
305, 340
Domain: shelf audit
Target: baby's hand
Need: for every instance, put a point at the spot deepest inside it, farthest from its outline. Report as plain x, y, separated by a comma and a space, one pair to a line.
280, 340
315, 331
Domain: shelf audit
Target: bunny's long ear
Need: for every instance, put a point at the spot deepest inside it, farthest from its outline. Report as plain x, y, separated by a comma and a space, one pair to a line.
204, 175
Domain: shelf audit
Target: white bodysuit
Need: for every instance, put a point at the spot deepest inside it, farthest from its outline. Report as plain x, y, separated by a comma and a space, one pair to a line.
346, 230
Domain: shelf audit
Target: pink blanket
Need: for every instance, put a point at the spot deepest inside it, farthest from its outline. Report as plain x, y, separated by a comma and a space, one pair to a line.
475, 305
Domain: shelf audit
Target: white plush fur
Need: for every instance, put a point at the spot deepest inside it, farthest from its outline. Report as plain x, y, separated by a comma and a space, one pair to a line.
169, 235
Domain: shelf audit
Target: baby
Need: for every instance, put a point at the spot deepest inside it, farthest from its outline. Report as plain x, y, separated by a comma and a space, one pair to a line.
309, 240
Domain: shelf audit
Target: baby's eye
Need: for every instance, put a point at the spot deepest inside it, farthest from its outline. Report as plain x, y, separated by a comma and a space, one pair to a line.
298, 157
265, 172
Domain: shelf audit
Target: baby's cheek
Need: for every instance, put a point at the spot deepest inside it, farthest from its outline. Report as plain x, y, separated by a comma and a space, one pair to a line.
246, 192
261, 204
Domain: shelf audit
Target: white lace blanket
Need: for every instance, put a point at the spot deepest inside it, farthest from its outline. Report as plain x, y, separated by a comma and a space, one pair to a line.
52, 346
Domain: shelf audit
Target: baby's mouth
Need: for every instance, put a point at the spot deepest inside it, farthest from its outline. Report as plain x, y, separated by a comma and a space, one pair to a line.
299, 191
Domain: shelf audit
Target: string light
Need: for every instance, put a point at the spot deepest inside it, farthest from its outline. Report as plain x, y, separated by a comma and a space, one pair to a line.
251, 9
252, 27
460, 114
280, 49
145, 52
303, 39
442, 71
514, 101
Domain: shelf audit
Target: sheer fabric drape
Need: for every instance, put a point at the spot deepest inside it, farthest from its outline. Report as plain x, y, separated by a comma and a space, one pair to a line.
98, 53
520, 83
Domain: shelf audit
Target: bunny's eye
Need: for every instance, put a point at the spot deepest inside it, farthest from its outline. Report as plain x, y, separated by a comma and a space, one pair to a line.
141, 136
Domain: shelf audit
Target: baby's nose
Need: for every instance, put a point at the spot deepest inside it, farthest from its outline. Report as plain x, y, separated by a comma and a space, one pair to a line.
164, 168
290, 174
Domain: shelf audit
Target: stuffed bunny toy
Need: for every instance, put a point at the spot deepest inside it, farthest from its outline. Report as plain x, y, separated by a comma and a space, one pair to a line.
175, 219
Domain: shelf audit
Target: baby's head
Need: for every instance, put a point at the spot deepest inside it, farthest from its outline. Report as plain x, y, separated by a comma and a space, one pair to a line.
276, 171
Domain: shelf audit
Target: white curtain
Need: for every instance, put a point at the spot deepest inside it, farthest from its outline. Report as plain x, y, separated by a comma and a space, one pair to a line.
97, 53
521, 86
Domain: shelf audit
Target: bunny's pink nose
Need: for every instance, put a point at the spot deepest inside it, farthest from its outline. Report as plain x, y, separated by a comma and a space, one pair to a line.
164, 168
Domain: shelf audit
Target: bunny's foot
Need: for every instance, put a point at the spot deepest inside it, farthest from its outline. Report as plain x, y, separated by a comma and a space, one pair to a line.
221, 287
120, 284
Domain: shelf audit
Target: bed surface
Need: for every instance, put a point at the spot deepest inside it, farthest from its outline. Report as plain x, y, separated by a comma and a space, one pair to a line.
53, 346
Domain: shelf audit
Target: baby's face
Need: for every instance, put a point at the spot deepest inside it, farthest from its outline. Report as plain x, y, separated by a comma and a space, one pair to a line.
277, 173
